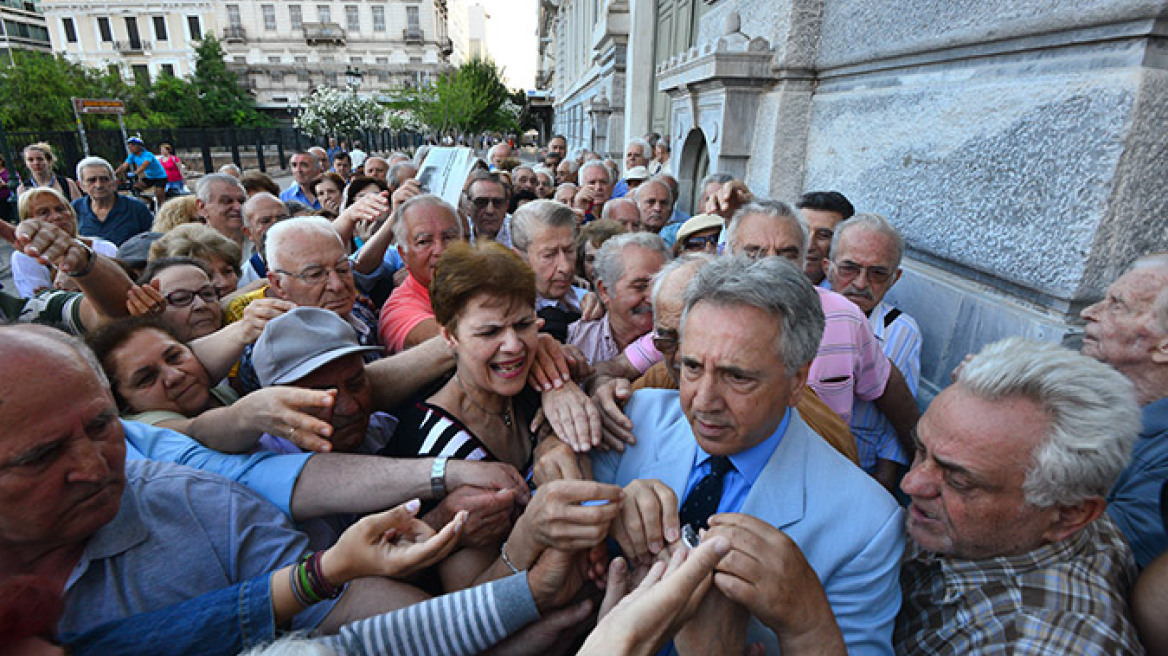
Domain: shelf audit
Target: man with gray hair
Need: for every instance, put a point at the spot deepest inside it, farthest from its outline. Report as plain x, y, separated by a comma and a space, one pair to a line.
543, 232
730, 448
1009, 543
638, 152
425, 227
624, 211
260, 213
219, 200
849, 365
864, 264
566, 171
498, 154
595, 189
103, 212
654, 201
625, 266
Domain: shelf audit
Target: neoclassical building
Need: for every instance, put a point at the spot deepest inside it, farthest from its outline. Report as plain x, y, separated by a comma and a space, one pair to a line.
1018, 144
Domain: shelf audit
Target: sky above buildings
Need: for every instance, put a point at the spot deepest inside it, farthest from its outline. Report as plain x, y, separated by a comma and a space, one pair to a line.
511, 39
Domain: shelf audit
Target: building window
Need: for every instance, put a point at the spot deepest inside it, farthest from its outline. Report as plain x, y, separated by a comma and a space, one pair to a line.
195, 27
413, 21
141, 73
352, 19
104, 29
269, 17
276, 77
297, 17
160, 29
356, 61
132, 32
233, 17
378, 18
70, 29
383, 60
168, 69
324, 14
301, 59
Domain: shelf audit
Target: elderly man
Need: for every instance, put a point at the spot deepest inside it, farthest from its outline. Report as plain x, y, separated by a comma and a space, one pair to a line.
260, 213
625, 212
426, 226
219, 200
543, 232
1128, 330
1010, 549
565, 193
305, 170
523, 177
638, 152
595, 188
400, 172
75, 512
103, 283
498, 154
103, 212
486, 204
567, 171
865, 263
823, 211
625, 266
655, 203
376, 167
545, 182
729, 443
849, 364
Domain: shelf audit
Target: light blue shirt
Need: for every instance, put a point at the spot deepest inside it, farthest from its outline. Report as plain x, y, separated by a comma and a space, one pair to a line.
748, 465
296, 193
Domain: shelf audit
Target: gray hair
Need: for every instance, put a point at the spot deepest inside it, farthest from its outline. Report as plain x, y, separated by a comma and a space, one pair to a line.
1160, 304
539, 214
573, 165
230, 169
610, 261
545, 171
771, 284
401, 231
399, 167
698, 260
875, 223
1094, 418
646, 149
657, 181
250, 204
279, 233
720, 178
593, 164
203, 189
774, 209
93, 161
611, 206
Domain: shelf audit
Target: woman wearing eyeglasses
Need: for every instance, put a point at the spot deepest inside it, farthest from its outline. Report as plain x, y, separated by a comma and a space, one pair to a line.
48, 205
192, 304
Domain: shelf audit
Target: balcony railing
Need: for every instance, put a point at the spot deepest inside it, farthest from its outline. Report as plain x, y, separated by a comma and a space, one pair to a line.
318, 33
131, 46
413, 35
235, 34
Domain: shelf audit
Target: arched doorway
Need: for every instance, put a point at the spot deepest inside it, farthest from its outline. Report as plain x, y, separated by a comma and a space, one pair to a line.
693, 167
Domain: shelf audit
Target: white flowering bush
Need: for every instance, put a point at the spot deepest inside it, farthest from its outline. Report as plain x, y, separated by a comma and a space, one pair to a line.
331, 111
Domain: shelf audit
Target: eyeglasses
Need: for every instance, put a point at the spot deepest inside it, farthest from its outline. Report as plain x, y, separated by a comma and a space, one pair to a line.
184, 297
700, 243
481, 203
98, 178
665, 342
317, 275
848, 270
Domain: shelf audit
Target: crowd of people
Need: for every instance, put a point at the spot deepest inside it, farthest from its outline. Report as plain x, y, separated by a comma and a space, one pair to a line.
563, 416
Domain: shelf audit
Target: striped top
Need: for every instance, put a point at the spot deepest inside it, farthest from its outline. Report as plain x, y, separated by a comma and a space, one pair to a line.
901, 342
849, 365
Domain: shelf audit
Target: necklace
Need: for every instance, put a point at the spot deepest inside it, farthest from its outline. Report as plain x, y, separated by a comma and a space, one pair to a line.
505, 414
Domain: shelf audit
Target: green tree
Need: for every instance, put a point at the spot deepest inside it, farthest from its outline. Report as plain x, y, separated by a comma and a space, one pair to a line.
222, 100
471, 98
35, 92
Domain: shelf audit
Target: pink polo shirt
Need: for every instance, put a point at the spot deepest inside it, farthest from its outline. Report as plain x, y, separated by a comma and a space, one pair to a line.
850, 363
407, 306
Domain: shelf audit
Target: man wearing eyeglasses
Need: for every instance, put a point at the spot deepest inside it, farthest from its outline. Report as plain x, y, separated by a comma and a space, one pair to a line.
865, 263
486, 205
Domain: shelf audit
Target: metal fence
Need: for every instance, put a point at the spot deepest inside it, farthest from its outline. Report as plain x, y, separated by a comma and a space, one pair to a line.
199, 148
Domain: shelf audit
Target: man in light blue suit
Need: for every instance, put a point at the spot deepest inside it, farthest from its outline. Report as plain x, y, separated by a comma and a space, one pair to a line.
798, 513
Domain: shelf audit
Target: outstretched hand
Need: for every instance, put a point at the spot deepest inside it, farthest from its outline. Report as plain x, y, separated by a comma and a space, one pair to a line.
392, 544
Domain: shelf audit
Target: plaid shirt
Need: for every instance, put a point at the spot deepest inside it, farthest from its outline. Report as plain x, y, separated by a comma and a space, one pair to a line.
1064, 598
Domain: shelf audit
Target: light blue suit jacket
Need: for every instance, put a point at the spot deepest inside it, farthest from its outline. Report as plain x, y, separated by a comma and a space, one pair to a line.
849, 528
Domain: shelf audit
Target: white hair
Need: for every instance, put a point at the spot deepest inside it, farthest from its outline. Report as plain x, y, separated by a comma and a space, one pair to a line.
535, 215
595, 163
1160, 304
610, 261
1094, 417
654, 181
203, 189
774, 209
279, 234
93, 161
646, 149
875, 223
401, 231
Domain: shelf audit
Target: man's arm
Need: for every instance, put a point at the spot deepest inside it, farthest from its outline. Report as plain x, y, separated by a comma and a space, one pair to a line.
426, 330
899, 406
400, 376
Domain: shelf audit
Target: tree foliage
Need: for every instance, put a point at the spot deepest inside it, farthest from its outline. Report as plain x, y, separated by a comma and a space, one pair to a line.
35, 94
469, 99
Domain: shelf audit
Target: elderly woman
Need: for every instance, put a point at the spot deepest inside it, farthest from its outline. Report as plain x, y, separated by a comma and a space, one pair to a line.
484, 298
176, 212
195, 240
157, 379
38, 157
47, 204
192, 304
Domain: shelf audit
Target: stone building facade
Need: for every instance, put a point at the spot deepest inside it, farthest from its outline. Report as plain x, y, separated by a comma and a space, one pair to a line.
22, 27
1018, 144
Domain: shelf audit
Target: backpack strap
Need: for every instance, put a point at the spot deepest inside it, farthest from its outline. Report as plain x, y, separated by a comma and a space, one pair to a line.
891, 316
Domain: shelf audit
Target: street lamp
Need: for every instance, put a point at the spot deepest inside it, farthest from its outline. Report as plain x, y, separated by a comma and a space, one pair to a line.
353, 79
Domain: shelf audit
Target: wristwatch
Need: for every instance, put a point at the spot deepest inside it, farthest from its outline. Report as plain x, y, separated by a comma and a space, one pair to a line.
90, 260
438, 478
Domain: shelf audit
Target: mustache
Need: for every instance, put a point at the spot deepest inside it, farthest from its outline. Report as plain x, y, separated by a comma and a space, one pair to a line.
862, 293
642, 309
